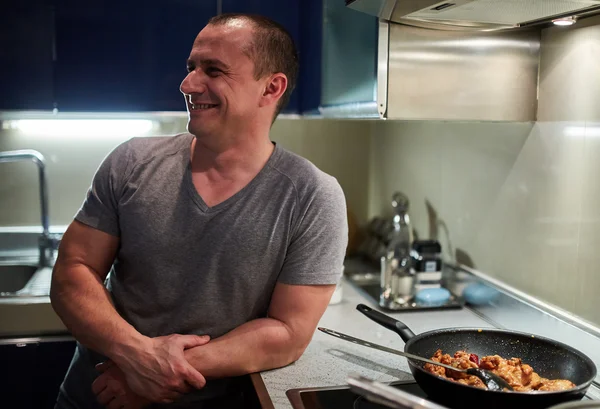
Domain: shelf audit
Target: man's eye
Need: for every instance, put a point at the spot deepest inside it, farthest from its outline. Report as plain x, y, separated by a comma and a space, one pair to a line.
190, 68
212, 71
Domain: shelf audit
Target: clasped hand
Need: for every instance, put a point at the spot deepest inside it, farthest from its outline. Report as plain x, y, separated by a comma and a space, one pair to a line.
157, 372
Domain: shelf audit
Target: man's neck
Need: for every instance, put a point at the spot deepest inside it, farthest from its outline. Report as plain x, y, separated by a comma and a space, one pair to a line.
248, 156
219, 174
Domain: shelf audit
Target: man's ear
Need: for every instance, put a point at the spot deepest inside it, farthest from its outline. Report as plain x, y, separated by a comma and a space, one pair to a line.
274, 89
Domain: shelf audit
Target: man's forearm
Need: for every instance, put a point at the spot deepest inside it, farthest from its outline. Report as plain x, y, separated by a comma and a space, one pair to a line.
257, 345
84, 305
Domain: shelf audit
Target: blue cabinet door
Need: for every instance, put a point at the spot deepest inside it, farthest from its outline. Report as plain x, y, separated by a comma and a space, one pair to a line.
125, 56
286, 13
26, 55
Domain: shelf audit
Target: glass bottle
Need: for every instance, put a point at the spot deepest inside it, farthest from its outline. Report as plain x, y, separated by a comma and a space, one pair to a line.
397, 273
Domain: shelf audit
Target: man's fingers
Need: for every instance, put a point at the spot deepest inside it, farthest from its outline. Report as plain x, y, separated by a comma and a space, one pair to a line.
191, 341
99, 385
183, 388
105, 396
195, 378
117, 403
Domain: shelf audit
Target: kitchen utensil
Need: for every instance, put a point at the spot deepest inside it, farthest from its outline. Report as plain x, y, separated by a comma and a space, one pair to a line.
551, 359
387, 395
490, 379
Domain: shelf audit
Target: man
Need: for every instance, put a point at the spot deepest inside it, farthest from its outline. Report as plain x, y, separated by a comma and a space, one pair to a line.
225, 248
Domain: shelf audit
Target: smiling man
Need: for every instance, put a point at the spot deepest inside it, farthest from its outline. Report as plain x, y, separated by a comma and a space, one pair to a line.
223, 248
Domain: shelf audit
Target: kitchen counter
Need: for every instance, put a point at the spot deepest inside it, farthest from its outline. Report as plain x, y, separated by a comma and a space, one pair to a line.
29, 316
328, 360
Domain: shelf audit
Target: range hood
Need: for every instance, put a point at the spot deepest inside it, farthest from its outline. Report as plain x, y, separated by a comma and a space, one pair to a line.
484, 15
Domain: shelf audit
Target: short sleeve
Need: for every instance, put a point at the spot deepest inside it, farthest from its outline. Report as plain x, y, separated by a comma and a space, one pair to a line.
316, 251
100, 207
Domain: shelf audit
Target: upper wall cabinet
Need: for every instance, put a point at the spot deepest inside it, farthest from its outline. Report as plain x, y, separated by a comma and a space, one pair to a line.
130, 56
26, 55
125, 55
338, 56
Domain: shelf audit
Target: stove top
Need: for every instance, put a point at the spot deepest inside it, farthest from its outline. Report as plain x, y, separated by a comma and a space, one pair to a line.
342, 397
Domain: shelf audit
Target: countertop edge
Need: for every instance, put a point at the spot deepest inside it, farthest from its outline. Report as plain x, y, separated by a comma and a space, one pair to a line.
261, 391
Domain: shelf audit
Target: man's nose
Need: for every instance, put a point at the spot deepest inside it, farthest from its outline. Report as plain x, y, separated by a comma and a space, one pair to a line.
193, 83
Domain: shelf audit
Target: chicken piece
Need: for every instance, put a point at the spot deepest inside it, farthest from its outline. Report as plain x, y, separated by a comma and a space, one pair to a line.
471, 380
434, 369
460, 361
556, 385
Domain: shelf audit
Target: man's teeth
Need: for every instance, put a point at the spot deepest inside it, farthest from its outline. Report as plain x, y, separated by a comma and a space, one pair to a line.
202, 106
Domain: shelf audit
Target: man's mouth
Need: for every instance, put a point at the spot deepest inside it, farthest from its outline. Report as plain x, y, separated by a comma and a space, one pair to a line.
196, 107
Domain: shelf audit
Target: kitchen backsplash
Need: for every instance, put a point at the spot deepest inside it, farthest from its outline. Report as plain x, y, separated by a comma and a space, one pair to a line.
520, 202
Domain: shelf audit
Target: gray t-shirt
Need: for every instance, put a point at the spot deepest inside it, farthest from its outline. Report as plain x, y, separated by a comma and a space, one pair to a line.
183, 267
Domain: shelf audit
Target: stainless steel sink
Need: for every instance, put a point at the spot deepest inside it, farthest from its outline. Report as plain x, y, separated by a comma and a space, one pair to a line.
24, 280
15, 277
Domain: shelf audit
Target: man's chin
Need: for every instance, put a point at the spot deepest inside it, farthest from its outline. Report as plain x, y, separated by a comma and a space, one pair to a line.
197, 130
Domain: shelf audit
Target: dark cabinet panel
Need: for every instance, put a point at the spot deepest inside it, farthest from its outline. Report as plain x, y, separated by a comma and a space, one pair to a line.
17, 375
33, 370
52, 362
26, 54
311, 33
125, 56
286, 13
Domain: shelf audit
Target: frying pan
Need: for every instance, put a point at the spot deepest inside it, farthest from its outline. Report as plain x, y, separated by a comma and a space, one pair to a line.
549, 358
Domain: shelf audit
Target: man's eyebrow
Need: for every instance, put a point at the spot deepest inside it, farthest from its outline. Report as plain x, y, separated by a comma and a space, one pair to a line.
215, 62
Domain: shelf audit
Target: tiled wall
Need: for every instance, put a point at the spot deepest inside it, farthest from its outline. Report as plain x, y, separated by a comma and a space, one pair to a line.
337, 147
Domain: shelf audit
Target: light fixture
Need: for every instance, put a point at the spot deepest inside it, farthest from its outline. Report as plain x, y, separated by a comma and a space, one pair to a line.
565, 21
82, 127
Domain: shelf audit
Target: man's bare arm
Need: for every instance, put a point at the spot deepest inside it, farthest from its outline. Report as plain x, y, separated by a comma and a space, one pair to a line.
266, 343
155, 367
78, 295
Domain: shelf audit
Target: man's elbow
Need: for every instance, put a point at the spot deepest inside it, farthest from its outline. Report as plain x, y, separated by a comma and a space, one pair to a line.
286, 352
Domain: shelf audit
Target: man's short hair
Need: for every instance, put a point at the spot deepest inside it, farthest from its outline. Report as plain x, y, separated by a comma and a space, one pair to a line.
271, 49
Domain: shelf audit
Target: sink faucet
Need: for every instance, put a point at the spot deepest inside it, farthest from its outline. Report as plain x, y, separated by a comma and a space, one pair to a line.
47, 242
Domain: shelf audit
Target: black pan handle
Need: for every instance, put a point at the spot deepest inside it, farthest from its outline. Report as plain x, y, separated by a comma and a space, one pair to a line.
390, 323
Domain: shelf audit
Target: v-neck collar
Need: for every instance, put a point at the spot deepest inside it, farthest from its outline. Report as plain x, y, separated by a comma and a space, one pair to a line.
195, 196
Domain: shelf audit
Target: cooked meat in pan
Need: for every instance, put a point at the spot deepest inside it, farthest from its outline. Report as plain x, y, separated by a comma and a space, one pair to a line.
519, 375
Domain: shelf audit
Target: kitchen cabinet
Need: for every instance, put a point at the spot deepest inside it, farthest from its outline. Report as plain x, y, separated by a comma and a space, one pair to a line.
338, 58
125, 56
349, 66
52, 362
18, 372
115, 56
33, 369
26, 55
